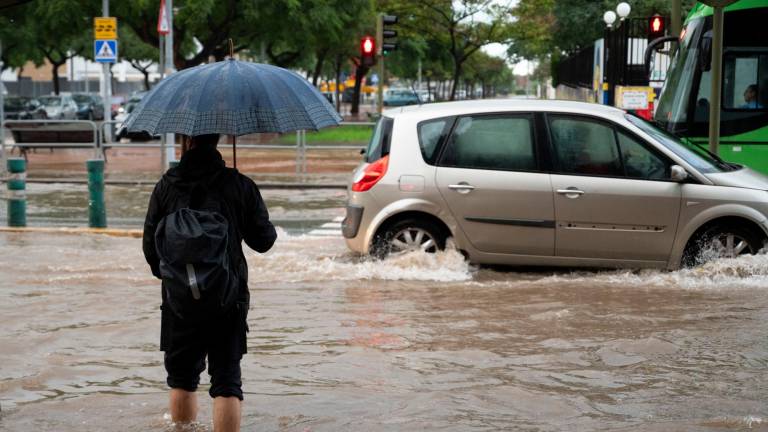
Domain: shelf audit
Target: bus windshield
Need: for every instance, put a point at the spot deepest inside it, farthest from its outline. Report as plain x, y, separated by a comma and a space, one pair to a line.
673, 102
704, 162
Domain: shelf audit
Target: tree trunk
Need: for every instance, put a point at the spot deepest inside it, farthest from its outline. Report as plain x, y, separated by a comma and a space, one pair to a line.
360, 73
456, 81
146, 79
319, 66
56, 77
337, 90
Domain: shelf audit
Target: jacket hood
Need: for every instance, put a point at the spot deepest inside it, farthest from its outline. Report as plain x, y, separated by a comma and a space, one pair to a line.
195, 165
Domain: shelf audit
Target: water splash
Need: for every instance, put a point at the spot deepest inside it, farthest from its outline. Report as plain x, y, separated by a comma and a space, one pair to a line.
309, 258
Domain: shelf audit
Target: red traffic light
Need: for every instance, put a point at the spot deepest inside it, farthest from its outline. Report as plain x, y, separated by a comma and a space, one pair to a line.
656, 27
367, 46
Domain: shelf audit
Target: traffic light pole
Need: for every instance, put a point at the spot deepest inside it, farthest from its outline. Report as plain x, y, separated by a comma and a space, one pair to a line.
380, 62
676, 24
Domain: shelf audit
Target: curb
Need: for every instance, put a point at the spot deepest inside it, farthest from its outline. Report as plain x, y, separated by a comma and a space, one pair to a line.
114, 232
152, 183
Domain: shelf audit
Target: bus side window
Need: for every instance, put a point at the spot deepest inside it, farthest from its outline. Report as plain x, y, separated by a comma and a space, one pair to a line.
745, 81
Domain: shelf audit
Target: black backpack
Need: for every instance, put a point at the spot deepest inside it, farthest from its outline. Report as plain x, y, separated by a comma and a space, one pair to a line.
199, 277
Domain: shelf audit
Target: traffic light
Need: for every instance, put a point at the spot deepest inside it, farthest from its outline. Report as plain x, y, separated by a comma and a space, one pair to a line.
388, 41
368, 51
656, 27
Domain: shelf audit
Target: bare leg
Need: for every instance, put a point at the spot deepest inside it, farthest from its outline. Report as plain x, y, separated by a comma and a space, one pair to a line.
183, 405
226, 414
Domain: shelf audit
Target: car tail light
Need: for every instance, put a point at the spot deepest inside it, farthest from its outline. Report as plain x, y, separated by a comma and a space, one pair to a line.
371, 175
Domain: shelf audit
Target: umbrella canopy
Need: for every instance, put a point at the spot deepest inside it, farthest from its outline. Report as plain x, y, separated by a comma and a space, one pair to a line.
232, 97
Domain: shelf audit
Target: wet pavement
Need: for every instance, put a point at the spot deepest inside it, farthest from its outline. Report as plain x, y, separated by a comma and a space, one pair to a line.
416, 342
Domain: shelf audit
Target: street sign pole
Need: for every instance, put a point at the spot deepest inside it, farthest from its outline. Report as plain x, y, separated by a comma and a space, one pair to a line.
106, 88
676, 18
170, 151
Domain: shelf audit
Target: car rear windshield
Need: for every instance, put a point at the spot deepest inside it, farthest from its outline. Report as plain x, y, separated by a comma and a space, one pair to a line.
81, 99
378, 147
50, 101
703, 161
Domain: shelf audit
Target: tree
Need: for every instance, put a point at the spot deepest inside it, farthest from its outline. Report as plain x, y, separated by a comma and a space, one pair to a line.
463, 27
138, 53
58, 30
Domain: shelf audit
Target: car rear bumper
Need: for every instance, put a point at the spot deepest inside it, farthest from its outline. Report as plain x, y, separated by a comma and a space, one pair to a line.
351, 223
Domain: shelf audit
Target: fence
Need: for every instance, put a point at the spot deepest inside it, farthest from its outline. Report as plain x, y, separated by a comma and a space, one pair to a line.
100, 137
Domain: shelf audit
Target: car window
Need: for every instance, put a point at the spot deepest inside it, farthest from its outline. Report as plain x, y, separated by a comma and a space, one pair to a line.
431, 133
378, 147
745, 77
584, 146
50, 101
492, 142
639, 162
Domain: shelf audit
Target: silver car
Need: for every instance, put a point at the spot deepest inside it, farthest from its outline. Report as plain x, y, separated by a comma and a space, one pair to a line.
549, 183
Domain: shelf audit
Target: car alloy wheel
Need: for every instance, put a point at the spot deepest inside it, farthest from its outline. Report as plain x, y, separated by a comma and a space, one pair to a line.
412, 239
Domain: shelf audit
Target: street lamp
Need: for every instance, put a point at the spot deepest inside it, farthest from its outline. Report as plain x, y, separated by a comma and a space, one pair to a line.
609, 17
623, 9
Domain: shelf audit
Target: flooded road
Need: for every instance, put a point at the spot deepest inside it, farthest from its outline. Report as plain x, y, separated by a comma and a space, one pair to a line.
419, 342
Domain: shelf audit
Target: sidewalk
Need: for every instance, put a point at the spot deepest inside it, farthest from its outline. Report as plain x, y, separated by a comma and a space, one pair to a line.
271, 168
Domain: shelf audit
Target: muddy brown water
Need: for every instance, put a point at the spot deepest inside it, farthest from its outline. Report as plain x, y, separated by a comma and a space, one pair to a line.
412, 343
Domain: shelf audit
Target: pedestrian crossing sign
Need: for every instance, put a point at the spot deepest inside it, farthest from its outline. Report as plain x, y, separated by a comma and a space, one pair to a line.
105, 51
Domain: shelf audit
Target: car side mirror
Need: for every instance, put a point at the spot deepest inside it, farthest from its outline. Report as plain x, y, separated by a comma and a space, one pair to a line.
678, 173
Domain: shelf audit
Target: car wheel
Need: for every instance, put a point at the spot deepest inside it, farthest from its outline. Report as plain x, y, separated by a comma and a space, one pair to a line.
409, 235
722, 241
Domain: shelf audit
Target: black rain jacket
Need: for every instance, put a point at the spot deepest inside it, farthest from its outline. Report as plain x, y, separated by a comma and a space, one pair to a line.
241, 201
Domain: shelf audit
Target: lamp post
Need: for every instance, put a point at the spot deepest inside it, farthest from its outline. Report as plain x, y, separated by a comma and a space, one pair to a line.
614, 46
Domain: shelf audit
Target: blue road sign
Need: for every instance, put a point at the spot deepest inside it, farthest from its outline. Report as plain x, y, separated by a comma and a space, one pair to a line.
105, 51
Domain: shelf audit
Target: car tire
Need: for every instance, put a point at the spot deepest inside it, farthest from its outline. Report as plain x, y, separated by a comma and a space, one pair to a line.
409, 235
722, 241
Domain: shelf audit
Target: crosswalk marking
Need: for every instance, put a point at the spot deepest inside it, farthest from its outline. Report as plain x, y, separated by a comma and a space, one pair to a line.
328, 229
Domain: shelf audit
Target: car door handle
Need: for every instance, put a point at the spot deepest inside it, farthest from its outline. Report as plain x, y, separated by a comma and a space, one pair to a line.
573, 191
461, 187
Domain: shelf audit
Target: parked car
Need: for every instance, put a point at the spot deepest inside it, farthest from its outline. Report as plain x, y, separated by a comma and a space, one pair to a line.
524, 182
400, 97
124, 111
61, 107
89, 106
23, 108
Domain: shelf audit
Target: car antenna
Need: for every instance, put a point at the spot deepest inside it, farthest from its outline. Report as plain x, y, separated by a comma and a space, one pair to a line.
418, 98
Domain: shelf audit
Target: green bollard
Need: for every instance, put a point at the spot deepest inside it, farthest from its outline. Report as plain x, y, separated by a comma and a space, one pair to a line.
17, 193
97, 213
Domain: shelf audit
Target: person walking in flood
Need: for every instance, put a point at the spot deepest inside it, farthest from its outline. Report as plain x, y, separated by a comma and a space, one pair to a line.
199, 214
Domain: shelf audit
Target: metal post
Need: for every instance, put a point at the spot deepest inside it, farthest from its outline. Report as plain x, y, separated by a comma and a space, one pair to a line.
419, 75
106, 88
2, 112
717, 72
380, 58
170, 150
97, 213
298, 153
17, 194
163, 159
676, 24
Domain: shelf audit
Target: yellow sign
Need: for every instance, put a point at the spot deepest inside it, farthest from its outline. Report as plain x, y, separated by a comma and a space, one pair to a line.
105, 28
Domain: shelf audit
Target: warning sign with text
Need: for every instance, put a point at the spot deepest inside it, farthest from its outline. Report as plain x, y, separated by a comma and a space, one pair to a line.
105, 28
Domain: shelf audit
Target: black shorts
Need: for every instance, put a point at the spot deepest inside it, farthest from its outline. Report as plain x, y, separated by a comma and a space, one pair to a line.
187, 344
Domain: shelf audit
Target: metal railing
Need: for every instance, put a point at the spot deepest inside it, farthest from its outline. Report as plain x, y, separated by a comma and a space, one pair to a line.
103, 140
38, 127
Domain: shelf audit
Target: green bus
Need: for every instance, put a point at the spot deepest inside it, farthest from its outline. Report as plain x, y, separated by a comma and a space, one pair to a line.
683, 105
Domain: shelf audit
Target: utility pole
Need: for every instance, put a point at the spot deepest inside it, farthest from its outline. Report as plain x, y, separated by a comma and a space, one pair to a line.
676, 26
380, 62
106, 87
